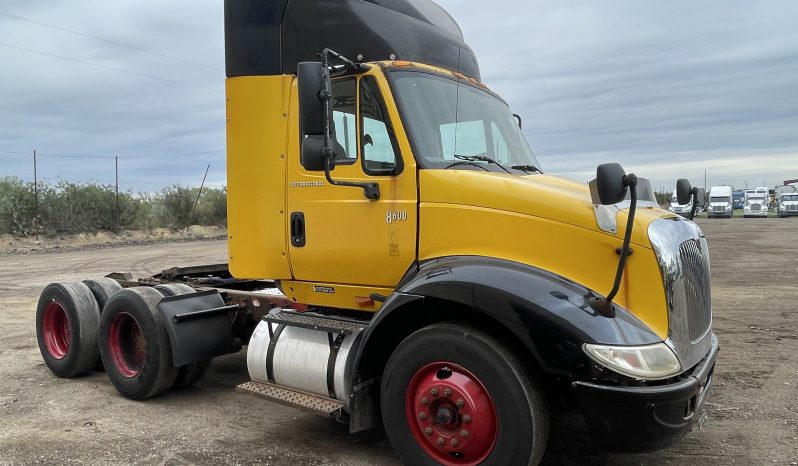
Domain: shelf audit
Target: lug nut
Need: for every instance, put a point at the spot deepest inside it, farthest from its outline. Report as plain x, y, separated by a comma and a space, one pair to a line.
422, 415
434, 392
464, 433
447, 392
454, 442
428, 431
459, 402
467, 418
424, 400
440, 441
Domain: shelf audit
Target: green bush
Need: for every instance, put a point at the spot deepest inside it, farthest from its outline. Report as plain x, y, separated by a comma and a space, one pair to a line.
175, 204
17, 204
89, 207
212, 207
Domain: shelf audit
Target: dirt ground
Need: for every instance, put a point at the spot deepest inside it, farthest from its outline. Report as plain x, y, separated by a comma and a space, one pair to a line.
753, 410
10, 244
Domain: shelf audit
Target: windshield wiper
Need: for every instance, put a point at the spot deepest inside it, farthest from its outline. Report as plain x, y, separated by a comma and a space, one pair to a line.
482, 158
526, 168
474, 164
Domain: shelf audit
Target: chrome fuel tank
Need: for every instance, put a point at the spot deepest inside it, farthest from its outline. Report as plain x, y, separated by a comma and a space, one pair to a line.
304, 359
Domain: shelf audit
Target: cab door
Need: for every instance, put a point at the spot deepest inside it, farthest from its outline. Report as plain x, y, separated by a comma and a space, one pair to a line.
345, 238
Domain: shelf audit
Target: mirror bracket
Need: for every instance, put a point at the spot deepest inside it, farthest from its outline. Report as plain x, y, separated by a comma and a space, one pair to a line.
608, 188
371, 191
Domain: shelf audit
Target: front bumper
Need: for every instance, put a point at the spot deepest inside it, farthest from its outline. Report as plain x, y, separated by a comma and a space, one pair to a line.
724, 213
635, 419
755, 213
787, 213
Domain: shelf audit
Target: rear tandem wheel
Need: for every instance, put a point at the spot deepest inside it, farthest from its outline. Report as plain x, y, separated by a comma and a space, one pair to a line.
134, 344
102, 289
67, 328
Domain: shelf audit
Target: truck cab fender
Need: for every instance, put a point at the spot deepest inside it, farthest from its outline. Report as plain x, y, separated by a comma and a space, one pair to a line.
550, 316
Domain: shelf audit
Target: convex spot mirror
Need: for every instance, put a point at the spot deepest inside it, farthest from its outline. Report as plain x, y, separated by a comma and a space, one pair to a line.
683, 191
608, 185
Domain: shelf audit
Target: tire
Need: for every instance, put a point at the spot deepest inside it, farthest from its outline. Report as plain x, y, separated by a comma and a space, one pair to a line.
191, 373
134, 344
174, 289
102, 289
438, 367
67, 328
187, 374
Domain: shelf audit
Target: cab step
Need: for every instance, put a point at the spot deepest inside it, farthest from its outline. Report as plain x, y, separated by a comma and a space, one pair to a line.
295, 398
316, 322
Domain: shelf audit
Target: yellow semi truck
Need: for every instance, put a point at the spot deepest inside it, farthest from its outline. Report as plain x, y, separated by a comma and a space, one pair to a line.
398, 257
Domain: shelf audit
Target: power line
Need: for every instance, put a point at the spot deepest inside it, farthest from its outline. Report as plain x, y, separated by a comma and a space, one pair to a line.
110, 68
133, 47
82, 156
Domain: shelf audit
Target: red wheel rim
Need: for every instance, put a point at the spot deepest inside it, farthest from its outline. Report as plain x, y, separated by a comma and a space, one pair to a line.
126, 344
451, 415
56, 330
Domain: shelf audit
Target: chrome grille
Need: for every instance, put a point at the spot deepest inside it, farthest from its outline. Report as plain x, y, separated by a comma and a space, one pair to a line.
696, 288
756, 207
717, 208
683, 257
792, 207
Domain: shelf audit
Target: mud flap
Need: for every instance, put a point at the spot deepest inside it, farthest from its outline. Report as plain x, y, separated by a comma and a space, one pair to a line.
198, 325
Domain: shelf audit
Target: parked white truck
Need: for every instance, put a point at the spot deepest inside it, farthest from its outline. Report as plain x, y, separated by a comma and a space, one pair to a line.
787, 204
720, 202
756, 202
680, 209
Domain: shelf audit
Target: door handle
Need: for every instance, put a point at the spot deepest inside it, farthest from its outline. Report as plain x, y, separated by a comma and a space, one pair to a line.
297, 229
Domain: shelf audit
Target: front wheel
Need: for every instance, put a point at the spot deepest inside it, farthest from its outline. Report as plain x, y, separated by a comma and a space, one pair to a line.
454, 395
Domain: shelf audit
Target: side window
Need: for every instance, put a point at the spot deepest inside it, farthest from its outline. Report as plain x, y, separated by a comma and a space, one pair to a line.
378, 144
344, 118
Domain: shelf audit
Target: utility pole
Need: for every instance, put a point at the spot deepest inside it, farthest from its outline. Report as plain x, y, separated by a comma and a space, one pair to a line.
116, 194
199, 193
35, 198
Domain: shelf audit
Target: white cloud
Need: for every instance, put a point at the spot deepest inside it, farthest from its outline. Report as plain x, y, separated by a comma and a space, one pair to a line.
669, 89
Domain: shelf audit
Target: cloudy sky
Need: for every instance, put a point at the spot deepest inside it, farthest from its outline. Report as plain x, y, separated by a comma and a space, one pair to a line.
669, 89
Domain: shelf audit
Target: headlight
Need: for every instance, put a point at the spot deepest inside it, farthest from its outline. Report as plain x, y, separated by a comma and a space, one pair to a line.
649, 362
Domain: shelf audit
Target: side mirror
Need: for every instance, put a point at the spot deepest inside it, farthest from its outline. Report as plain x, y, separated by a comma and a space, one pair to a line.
683, 191
311, 115
311, 108
609, 184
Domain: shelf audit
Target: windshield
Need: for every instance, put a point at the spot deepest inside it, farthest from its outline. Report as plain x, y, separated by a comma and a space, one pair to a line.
451, 122
719, 199
789, 197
